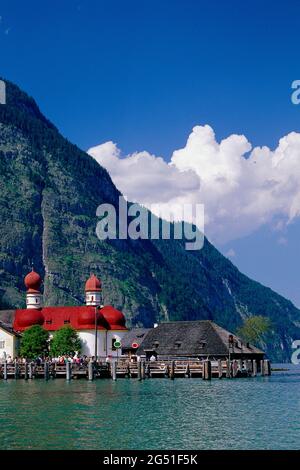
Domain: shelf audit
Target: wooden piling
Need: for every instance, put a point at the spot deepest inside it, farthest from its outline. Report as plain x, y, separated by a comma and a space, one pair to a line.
26, 370
114, 370
262, 368
267, 367
228, 369
207, 370
234, 368
68, 370
172, 370
16, 369
46, 370
220, 369
143, 371
90, 371
30, 370
5, 370
254, 368
139, 364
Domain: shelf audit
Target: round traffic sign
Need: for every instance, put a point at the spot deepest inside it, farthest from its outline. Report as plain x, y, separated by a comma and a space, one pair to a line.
135, 345
117, 344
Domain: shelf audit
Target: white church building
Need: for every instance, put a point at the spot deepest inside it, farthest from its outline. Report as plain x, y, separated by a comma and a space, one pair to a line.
98, 326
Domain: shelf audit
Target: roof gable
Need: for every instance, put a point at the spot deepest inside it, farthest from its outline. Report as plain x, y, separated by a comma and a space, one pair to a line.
135, 335
8, 329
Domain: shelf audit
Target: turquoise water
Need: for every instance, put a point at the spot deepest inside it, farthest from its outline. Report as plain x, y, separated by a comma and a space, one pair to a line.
255, 413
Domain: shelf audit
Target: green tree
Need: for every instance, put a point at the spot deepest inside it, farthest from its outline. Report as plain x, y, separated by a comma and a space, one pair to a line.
254, 329
34, 342
65, 342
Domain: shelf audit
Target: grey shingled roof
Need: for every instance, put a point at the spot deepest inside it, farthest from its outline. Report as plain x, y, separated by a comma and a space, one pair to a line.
136, 335
192, 338
7, 317
7, 327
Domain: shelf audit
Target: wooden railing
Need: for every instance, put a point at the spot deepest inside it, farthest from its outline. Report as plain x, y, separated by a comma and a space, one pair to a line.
123, 368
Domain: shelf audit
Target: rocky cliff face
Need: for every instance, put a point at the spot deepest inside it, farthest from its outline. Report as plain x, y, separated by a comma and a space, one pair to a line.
49, 193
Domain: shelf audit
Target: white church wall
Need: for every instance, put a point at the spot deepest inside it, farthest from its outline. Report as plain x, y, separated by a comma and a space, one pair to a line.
8, 345
104, 342
117, 335
87, 338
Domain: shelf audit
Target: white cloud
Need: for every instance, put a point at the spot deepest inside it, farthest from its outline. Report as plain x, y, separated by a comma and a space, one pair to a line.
144, 178
242, 188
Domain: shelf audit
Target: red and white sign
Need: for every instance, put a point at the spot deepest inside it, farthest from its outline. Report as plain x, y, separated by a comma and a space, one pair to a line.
135, 345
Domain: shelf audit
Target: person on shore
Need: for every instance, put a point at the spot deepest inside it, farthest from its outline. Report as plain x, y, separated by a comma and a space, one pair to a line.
3, 358
61, 360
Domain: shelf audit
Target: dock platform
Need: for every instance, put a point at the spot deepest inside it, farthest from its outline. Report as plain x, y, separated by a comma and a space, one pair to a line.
123, 368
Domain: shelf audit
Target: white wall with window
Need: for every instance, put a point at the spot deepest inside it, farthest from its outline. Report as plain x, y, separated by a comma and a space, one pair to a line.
105, 342
8, 344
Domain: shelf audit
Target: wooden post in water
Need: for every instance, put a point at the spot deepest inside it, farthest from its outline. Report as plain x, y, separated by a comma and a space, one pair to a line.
172, 371
68, 370
188, 372
143, 370
262, 368
30, 372
90, 371
5, 370
254, 368
267, 367
139, 364
234, 368
228, 369
114, 370
16, 369
207, 370
220, 369
240, 366
26, 370
46, 370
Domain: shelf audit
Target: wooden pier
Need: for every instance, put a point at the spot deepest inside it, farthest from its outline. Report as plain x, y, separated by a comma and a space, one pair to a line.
123, 368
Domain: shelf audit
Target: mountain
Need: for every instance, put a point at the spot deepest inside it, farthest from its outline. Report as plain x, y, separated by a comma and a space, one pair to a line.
49, 193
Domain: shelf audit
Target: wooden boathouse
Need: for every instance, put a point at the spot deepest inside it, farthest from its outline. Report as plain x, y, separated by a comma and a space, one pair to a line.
202, 339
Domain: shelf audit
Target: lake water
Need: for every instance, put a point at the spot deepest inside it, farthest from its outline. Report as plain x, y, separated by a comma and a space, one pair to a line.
254, 413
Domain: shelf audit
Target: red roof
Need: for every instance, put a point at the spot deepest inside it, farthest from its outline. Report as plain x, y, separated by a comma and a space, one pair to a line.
93, 284
33, 282
80, 318
114, 317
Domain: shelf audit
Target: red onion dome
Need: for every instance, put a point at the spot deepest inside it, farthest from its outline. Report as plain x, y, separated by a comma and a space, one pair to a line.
86, 316
93, 284
30, 317
114, 317
33, 282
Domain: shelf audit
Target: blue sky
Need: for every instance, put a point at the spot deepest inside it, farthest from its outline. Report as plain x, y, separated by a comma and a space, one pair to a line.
144, 73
